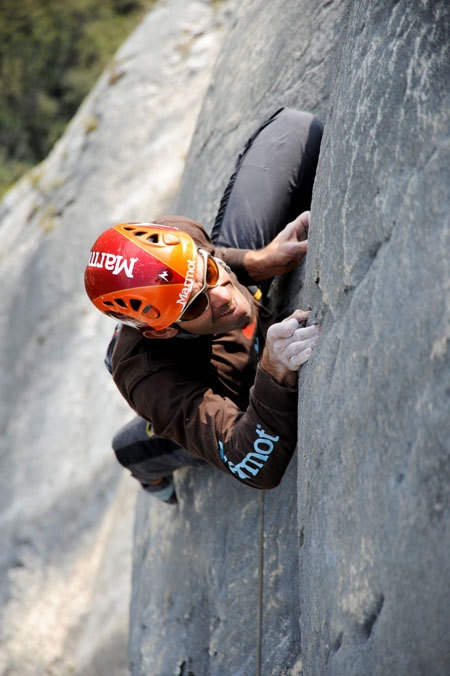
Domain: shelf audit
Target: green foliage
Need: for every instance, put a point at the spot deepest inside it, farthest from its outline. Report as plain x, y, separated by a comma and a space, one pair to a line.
51, 54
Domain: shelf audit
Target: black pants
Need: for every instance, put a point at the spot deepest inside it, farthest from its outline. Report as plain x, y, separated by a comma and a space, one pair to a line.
271, 185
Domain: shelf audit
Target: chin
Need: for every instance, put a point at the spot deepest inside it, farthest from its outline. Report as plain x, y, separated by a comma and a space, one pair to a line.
246, 320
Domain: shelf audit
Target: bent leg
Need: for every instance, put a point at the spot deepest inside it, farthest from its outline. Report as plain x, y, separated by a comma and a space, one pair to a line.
272, 182
147, 456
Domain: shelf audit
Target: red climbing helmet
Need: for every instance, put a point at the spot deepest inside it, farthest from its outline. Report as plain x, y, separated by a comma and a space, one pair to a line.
141, 273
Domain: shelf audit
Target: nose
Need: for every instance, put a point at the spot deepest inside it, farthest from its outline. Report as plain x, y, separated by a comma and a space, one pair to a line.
219, 297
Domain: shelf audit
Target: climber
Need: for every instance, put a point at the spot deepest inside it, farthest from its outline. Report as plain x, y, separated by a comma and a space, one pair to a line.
211, 375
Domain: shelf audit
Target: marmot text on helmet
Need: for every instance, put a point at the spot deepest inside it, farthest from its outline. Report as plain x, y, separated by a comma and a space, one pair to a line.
113, 262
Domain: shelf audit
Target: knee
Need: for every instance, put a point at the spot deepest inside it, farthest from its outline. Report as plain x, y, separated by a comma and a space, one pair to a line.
300, 119
302, 127
295, 119
136, 430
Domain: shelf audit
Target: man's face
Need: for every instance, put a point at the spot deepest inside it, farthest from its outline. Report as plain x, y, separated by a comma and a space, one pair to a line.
229, 306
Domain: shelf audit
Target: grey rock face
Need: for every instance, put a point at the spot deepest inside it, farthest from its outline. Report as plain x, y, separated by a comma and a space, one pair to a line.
374, 431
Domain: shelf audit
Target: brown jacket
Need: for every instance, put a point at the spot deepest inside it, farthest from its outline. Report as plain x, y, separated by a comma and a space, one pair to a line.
208, 394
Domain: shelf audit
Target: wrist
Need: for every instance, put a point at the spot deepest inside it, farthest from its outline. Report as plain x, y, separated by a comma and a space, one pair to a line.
278, 373
254, 264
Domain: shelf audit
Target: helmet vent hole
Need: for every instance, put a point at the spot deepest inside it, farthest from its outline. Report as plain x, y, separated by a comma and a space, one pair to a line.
108, 302
135, 304
151, 311
120, 302
154, 239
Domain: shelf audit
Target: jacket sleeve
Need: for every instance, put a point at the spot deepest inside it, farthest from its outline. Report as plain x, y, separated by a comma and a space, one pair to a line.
257, 445
253, 445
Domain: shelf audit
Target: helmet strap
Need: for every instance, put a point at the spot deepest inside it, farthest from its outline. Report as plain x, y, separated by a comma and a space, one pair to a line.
182, 333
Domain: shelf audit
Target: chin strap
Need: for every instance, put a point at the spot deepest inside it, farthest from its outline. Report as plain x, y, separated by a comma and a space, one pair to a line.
182, 333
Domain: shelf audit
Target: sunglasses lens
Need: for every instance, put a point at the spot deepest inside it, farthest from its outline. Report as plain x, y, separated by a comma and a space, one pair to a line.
212, 271
196, 308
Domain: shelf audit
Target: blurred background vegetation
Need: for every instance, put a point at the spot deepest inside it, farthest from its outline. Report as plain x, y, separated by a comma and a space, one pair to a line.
51, 54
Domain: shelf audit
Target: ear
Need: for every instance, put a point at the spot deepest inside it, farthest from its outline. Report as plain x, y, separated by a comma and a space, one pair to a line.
169, 332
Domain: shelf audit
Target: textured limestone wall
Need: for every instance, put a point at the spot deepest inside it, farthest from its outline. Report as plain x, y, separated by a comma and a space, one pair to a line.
356, 538
373, 480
